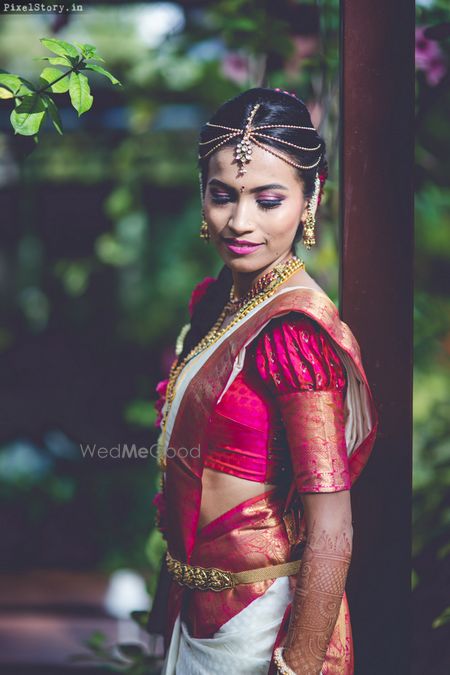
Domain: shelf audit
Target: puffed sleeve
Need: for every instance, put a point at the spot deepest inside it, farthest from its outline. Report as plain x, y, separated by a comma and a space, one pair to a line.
296, 359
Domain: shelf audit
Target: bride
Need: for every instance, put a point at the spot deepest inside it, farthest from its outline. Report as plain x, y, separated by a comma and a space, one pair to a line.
266, 422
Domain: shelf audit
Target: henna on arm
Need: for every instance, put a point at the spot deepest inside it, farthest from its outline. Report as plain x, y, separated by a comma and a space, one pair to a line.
320, 582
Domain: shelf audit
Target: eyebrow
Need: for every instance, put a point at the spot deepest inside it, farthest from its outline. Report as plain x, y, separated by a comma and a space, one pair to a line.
260, 188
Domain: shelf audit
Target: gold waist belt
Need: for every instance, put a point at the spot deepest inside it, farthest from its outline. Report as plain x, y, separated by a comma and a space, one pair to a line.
215, 579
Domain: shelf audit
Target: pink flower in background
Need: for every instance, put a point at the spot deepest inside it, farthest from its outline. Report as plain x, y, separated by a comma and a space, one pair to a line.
198, 292
429, 58
304, 46
161, 389
235, 68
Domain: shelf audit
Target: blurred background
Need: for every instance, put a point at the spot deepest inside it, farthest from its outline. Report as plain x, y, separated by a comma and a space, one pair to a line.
99, 254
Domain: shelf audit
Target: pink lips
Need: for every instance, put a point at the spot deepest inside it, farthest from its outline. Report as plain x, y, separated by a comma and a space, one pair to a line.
241, 248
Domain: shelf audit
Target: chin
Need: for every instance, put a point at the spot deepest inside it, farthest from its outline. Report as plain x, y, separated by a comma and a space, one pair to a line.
247, 263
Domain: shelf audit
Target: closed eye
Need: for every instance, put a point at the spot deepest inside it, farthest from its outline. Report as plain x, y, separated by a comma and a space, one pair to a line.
267, 204
220, 198
264, 204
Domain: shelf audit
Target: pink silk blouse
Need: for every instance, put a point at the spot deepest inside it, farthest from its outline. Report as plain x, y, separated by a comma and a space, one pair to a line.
283, 414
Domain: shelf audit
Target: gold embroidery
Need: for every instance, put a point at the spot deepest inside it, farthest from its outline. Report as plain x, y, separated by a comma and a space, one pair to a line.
315, 429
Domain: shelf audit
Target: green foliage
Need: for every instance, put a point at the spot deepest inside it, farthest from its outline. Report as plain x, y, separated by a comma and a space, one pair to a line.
102, 71
51, 78
11, 85
80, 93
62, 48
28, 115
32, 105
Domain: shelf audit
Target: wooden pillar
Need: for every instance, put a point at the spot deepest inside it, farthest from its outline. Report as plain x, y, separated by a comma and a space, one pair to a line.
376, 300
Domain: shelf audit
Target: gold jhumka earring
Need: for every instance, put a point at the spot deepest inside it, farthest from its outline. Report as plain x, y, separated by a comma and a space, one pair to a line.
204, 231
309, 238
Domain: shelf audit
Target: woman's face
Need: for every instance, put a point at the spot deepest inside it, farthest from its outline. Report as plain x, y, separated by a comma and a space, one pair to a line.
262, 208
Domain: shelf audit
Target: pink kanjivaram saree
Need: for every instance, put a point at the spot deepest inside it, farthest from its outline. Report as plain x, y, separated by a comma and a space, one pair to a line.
268, 529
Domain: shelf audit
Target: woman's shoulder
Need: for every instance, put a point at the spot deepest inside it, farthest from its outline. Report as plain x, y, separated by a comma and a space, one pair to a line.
294, 352
290, 331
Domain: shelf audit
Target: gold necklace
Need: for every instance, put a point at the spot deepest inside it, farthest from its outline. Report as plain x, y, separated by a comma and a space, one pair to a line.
280, 273
235, 303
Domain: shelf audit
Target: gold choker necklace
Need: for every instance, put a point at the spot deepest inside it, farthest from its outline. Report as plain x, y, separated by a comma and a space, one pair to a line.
288, 266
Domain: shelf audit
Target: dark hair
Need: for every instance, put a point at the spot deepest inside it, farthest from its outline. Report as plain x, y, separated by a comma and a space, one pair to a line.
276, 107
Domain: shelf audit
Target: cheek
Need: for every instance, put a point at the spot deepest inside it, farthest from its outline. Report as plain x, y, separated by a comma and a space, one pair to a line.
216, 218
283, 223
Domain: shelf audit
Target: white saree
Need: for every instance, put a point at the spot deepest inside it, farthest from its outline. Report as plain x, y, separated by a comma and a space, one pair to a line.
242, 646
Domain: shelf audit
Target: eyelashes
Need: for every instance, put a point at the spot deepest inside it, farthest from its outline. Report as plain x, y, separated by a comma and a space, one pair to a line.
264, 204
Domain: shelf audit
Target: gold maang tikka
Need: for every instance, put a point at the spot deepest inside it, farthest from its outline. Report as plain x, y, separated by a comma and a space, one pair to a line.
255, 135
243, 150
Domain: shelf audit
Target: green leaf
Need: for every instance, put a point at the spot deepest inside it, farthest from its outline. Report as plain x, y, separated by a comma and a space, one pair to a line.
5, 93
102, 71
80, 93
54, 114
60, 61
87, 50
49, 75
15, 84
12, 82
60, 47
55, 60
28, 116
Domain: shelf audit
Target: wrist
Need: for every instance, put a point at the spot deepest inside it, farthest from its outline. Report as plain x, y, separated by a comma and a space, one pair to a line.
282, 666
286, 662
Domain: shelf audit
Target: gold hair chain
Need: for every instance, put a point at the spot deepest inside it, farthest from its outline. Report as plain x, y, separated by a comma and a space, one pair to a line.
250, 134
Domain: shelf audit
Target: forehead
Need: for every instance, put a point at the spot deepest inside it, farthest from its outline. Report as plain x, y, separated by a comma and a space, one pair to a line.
263, 168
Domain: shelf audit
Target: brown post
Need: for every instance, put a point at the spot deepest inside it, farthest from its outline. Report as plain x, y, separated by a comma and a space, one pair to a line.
376, 300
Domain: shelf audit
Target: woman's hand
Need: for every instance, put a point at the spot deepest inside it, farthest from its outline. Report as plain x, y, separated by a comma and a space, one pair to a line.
320, 581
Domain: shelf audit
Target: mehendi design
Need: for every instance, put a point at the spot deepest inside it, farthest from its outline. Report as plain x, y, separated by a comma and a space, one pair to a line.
318, 596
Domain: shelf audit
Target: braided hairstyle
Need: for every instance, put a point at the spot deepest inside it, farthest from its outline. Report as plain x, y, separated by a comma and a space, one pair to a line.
277, 108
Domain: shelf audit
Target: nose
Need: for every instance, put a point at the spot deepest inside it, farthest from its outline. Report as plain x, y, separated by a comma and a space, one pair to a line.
240, 220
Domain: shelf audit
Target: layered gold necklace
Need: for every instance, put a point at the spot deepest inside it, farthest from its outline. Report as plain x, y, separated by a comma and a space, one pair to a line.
260, 291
